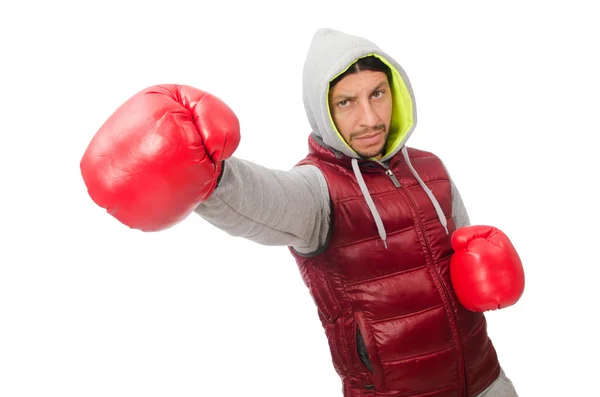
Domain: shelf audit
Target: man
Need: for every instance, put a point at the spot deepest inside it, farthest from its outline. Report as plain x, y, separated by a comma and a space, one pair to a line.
378, 229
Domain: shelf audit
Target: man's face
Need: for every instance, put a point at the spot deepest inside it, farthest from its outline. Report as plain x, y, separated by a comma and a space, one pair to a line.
361, 106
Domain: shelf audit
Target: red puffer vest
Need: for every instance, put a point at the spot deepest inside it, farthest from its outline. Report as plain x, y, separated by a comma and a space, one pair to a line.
420, 340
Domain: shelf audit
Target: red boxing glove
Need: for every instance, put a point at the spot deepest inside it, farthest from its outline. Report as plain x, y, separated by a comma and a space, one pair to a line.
159, 155
486, 271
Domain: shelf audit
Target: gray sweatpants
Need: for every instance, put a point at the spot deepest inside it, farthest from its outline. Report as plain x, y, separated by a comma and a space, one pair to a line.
502, 387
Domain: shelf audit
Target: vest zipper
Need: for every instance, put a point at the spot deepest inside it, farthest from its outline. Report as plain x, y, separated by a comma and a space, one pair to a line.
395, 180
452, 315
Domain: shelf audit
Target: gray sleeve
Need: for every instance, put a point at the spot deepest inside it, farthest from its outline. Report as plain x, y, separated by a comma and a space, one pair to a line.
459, 211
270, 207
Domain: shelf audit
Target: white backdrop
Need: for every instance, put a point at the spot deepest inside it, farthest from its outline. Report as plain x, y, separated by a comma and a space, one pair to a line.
507, 96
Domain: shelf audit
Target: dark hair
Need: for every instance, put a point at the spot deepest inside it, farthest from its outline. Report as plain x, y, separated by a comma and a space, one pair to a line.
367, 63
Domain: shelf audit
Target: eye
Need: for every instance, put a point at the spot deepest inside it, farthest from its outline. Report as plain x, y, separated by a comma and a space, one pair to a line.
343, 103
378, 94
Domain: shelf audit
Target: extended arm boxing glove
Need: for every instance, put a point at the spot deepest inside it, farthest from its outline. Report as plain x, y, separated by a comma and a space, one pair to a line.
485, 270
159, 155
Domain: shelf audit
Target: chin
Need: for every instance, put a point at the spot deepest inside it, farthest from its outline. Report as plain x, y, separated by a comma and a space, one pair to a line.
369, 151
372, 149
369, 154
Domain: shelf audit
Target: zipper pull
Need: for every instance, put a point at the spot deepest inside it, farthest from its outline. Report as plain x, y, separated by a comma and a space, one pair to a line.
393, 177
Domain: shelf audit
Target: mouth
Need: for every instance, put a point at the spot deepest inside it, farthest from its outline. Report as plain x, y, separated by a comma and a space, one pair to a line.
369, 135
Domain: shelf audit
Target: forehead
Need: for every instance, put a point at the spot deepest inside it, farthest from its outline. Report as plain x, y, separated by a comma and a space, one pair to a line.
365, 79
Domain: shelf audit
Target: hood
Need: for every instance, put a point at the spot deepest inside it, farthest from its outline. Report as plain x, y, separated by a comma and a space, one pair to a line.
331, 52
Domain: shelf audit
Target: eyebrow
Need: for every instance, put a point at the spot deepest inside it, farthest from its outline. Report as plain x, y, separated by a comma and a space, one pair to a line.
347, 97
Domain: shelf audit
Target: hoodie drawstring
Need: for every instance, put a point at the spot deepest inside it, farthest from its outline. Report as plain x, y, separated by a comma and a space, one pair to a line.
436, 204
370, 203
373, 208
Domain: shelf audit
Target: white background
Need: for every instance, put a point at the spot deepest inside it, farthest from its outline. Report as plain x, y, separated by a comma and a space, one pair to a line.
507, 96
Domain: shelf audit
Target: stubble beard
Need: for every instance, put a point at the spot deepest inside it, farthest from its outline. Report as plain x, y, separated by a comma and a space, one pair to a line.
375, 152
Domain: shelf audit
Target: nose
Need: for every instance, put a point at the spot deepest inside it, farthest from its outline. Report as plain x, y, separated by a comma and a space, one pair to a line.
368, 116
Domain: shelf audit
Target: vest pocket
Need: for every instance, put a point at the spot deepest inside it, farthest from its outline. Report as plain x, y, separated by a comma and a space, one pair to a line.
361, 349
366, 351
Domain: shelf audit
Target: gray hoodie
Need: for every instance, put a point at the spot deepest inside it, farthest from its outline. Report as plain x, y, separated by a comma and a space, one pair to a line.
292, 208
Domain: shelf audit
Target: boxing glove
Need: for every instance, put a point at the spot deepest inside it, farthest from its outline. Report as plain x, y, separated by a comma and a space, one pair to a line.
485, 269
159, 155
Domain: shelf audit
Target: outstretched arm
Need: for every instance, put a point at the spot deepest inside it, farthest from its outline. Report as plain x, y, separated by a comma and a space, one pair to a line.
270, 207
